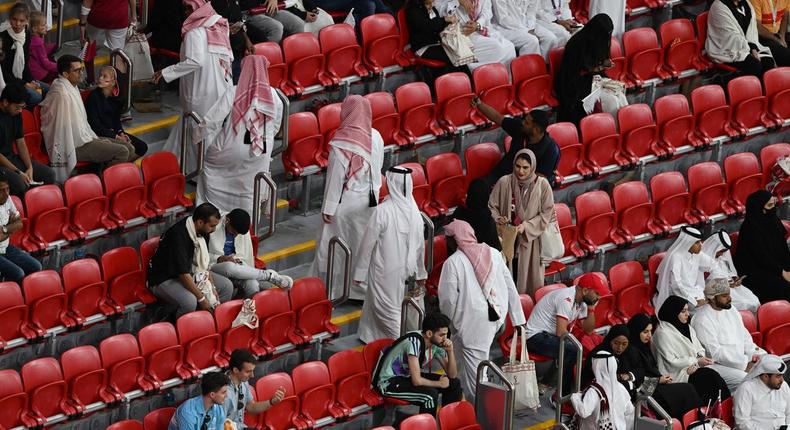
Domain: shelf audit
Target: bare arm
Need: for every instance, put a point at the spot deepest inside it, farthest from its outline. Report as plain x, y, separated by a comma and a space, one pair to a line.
588, 324
255, 408
488, 111
133, 10
562, 327
765, 33
14, 224
416, 377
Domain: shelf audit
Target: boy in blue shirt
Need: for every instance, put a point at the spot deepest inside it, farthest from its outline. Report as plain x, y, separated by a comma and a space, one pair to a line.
205, 412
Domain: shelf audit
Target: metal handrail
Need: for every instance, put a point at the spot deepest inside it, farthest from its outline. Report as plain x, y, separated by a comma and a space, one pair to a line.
330, 268
284, 124
143, 15
562, 398
183, 162
656, 408
509, 397
404, 310
256, 203
127, 100
429, 251
59, 32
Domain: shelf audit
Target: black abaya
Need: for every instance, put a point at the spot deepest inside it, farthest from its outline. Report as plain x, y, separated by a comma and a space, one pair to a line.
478, 215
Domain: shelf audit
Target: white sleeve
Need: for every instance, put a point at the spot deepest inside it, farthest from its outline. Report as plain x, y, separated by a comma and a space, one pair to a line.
586, 403
785, 390
370, 238
422, 274
742, 403
681, 288
486, 13
708, 335
195, 56
335, 181
545, 10
448, 288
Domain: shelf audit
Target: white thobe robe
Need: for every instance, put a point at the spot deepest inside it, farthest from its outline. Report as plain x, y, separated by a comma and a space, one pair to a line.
615, 9
230, 167
726, 41
685, 278
351, 213
380, 264
203, 79
727, 342
758, 407
553, 34
675, 352
587, 405
743, 298
516, 21
461, 299
494, 48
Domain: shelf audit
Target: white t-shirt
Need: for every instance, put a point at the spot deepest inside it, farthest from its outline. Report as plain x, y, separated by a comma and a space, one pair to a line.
556, 304
7, 210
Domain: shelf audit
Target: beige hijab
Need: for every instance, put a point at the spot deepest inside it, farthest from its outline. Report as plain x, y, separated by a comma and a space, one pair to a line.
523, 188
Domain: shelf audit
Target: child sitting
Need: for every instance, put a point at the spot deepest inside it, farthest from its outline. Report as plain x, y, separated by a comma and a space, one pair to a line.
41, 66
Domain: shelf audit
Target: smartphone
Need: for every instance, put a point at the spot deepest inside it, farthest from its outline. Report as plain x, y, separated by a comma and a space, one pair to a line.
34, 183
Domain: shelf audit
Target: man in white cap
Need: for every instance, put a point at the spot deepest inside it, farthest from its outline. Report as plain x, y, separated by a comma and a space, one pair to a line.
763, 400
681, 271
720, 330
717, 247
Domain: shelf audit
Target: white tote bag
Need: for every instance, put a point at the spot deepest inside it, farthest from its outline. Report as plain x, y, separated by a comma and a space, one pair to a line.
140, 53
551, 245
522, 375
457, 46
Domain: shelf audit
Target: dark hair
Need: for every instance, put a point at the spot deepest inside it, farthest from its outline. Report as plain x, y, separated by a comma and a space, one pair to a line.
540, 118
213, 382
205, 212
240, 220
240, 356
64, 63
451, 245
435, 322
4, 178
15, 92
524, 157
19, 7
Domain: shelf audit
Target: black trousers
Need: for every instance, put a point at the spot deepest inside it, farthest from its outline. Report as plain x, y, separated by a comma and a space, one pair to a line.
427, 398
438, 53
753, 66
781, 54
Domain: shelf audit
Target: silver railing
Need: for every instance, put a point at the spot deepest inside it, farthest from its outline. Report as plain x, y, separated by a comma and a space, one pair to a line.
565, 397
256, 203
429, 250
184, 135
507, 418
127, 98
404, 313
59, 32
284, 124
330, 268
656, 408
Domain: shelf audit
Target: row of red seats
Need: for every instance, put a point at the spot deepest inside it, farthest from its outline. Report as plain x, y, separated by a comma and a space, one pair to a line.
455, 416
157, 419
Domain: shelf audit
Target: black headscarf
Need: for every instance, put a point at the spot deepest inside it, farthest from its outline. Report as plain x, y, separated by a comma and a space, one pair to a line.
605, 346
762, 251
669, 314
477, 214
636, 325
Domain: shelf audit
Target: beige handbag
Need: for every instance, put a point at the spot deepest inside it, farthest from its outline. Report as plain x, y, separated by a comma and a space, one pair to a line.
457, 46
522, 375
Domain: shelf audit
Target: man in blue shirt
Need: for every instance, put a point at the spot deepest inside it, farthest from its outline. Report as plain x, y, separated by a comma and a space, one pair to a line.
203, 412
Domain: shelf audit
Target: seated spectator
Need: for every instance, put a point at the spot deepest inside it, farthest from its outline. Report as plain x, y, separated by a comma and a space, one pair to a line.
525, 201
772, 17
274, 25
717, 247
17, 167
553, 316
530, 134
179, 270
104, 112
204, 412
42, 68
233, 258
313, 16
733, 38
615, 9
516, 21
65, 128
681, 271
615, 342
404, 371
15, 264
604, 397
763, 255
240, 42
15, 42
555, 17
763, 400
425, 27
239, 399
475, 18
720, 330
680, 354
586, 55
361, 8
476, 212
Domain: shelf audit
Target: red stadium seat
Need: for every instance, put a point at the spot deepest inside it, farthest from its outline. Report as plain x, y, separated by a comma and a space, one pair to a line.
158, 419
239, 337
343, 53
47, 301
284, 414
743, 177
447, 180
13, 315
453, 97
86, 378
120, 355
49, 218
277, 322
676, 124
458, 416
382, 43
88, 204
708, 190
555, 61
639, 132
202, 344
627, 281
774, 323
568, 230
305, 144
602, 142
421, 190
417, 111
278, 70
87, 292
46, 389
768, 156
386, 119
312, 308
126, 425
419, 422
492, 85
777, 88
317, 396
750, 323
33, 138
165, 182
352, 381
329, 121
645, 59
372, 351
571, 150
712, 113
726, 412
597, 221
20, 236
749, 105
634, 209
305, 62
681, 50
147, 251
13, 402
532, 82
702, 36
619, 69
127, 194
124, 277
652, 271
163, 355
671, 200
480, 159
439, 257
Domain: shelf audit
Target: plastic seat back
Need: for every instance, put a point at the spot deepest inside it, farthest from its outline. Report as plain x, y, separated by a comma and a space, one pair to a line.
446, 177
386, 119
124, 276
421, 190
457, 416
239, 337
277, 67
126, 425
147, 251
13, 311
768, 156
352, 381
643, 53
329, 120
531, 82
750, 323
339, 46
747, 101
419, 422
304, 59
372, 352
527, 304
707, 187
546, 289
198, 335
671, 199
417, 110
619, 68
600, 139
45, 387
679, 44
161, 350
305, 144
13, 399
633, 207
492, 85
120, 355
87, 203
743, 175
638, 129
84, 374
126, 192
165, 181
772, 314
281, 415
568, 229
48, 215
46, 298
777, 88
571, 150
625, 276
312, 307
158, 419
453, 96
652, 270
555, 61
595, 217
277, 322
314, 389
674, 119
83, 284
20, 235
480, 159
381, 40
711, 110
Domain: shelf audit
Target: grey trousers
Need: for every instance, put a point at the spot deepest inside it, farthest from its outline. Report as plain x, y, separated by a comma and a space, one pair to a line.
265, 28
247, 278
174, 293
107, 151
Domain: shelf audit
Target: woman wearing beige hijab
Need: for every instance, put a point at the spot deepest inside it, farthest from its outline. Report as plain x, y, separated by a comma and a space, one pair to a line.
524, 200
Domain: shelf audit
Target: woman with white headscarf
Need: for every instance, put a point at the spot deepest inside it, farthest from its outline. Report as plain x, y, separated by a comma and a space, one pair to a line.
353, 179
681, 271
391, 252
245, 144
717, 247
605, 396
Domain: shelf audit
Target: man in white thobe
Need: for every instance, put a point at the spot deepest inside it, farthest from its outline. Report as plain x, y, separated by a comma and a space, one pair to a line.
555, 18
490, 46
681, 271
204, 71
515, 20
762, 402
720, 330
615, 9
244, 145
717, 247
477, 292
391, 257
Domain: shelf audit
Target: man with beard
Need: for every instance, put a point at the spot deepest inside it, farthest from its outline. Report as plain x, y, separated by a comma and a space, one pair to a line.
763, 400
720, 330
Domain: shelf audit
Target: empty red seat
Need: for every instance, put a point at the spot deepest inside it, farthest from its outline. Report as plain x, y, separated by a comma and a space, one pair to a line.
283, 415
671, 200
419, 422
774, 317
458, 416
481, 159
555, 61
328, 121
453, 97
47, 301
13, 402
619, 69
749, 105
712, 113
46, 390
568, 230
492, 85
120, 355
743, 177
317, 396
571, 150
124, 277
708, 190
531, 82
163, 354
652, 271
276, 320
33, 139
421, 190
777, 88
386, 119
88, 204
632, 293
768, 156
676, 124
239, 337
645, 59
86, 291
312, 308
14, 315
343, 53
634, 209
680, 46
305, 62
278, 70
305, 144
86, 377
127, 194
597, 221
126, 425
447, 180
165, 182
352, 381
639, 132
417, 111
49, 218
381, 40
158, 419
202, 344
601, 142
750, 323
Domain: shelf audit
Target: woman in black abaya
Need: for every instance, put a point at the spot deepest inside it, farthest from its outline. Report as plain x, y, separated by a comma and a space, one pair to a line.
478, 215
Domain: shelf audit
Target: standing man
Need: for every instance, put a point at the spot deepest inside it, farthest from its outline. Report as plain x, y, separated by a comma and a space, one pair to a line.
527, 134
182, 255
771, 17
239, 399
762, 401
391, 258
204, 412
15, 264
477, 292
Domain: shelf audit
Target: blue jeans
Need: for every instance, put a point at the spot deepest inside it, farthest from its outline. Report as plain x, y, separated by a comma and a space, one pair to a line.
15, 264
549, 345
362, 8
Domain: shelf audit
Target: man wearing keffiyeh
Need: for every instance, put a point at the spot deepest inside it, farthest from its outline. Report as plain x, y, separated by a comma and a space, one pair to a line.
762, 402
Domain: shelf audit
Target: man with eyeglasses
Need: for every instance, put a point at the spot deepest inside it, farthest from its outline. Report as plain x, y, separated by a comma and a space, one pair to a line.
203, 412
239, 399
